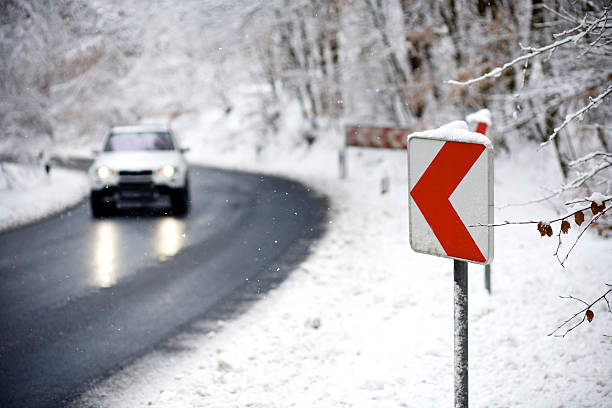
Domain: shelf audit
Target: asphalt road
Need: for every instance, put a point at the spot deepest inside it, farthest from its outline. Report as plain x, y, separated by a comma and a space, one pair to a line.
81, 297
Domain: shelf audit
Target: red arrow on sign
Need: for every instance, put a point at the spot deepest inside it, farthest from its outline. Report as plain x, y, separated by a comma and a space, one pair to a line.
433, 190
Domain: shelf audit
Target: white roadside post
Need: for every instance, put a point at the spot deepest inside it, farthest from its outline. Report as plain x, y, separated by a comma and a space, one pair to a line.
479, 122
450, 177
342, 162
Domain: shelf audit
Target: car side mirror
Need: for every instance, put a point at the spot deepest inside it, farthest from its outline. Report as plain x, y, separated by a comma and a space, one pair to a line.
184, 149
96, 152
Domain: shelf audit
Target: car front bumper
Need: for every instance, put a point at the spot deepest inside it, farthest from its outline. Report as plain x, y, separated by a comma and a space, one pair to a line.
133, 194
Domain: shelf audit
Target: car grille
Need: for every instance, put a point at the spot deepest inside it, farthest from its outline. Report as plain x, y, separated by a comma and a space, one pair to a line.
140, 177
135, 172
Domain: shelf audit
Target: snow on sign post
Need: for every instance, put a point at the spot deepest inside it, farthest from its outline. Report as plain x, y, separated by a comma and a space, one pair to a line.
450, 177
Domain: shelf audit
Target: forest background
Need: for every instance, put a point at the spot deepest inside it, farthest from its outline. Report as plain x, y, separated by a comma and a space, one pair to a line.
72, 68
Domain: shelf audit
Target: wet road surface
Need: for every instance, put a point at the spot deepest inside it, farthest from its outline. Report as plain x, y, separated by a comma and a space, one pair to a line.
82, 297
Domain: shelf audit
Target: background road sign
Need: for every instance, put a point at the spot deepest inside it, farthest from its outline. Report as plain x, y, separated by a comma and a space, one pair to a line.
450, 175
373, 136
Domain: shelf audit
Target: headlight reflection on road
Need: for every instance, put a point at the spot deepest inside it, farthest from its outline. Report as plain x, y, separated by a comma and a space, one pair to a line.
169, 237
105, 254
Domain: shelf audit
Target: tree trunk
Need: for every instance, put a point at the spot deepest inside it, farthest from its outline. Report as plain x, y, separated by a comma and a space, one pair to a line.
293, 65
399, 78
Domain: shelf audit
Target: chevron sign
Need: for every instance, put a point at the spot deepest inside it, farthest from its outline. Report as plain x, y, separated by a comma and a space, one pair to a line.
372, 136
450, 179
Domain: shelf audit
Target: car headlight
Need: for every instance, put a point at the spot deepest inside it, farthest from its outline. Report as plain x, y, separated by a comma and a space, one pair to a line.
104, 172
167, 171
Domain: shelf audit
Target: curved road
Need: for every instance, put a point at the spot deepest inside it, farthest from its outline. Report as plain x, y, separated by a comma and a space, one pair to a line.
80, 297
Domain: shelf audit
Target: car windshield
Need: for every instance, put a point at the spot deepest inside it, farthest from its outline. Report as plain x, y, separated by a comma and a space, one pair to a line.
139, 141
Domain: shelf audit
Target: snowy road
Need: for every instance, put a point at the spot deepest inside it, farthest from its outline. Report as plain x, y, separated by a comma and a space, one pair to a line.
80, 298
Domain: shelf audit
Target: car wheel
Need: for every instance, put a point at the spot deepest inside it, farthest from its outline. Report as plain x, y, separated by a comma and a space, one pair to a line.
180, 201
98, 207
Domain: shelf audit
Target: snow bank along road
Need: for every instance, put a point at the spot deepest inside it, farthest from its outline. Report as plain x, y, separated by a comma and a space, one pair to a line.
80, 298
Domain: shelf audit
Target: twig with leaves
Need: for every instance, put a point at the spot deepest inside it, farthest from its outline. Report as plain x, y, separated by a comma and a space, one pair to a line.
565, 226
596, 206
586, 312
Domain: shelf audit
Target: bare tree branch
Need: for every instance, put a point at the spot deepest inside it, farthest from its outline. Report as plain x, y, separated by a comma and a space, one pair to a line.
590, 156
496, 72
574, 184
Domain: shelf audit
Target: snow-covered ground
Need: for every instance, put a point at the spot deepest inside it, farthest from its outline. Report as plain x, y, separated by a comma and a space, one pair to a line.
365, 321
28, 194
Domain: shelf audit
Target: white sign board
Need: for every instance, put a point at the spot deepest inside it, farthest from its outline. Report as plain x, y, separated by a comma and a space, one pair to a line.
450, 176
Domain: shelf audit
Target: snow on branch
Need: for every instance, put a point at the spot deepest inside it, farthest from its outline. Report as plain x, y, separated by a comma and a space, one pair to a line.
592, 103
580, 180
533, 52
584, 28
496, 72
607, 156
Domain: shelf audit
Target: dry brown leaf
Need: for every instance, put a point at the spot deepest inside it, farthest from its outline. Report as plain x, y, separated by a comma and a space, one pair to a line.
579, 218
565, 226
597, 208
590, 315
542, 228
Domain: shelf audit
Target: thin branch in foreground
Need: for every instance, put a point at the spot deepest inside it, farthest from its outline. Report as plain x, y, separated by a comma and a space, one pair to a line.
505, 223
570, 118
586, 311
597, 207
575, 183
595, 218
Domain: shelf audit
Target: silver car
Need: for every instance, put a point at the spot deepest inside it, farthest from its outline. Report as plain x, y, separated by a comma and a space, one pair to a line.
139, 166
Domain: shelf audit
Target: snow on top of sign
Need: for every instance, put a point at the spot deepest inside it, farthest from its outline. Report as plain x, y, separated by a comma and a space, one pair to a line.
456, 131
482, 116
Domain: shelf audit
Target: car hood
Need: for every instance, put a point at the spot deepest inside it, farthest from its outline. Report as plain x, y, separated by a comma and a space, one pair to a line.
140, 160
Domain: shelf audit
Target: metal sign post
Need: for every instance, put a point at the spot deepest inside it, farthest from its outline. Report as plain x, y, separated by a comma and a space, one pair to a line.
461, 334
